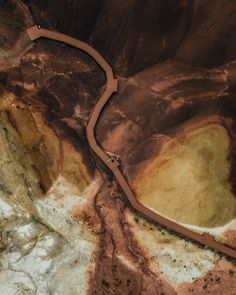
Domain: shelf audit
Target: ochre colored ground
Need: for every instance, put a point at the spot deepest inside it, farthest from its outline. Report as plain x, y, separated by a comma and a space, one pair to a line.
188, 181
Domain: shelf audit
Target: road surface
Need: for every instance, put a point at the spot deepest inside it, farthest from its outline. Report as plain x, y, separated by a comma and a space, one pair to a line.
111, 162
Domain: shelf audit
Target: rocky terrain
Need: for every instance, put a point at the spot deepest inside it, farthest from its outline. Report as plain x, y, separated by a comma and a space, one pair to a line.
65, 226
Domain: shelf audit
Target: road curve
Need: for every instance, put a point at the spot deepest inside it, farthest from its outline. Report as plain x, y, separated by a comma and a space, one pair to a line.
111, 162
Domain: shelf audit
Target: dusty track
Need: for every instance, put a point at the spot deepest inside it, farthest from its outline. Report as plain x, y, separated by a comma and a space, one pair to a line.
111, 162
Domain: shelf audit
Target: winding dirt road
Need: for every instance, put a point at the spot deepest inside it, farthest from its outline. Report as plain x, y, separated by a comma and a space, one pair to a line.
111, 162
